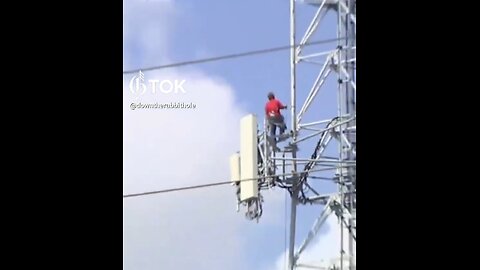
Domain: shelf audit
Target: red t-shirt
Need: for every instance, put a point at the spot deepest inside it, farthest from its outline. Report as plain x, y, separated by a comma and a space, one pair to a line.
273, 107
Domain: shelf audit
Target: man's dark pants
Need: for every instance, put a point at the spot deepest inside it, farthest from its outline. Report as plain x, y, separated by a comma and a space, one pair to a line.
275, 121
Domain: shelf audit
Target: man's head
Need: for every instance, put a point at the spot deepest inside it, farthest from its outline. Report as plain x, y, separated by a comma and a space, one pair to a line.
271, 96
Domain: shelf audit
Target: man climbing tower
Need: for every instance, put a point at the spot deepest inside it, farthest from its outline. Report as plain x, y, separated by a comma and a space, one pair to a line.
274, 117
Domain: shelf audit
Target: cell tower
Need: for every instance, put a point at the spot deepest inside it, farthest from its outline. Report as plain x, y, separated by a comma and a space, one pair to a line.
263, 163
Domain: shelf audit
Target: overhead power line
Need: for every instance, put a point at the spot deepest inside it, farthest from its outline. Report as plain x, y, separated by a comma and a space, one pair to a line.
177, 189
230, 56
220, 183
193, 187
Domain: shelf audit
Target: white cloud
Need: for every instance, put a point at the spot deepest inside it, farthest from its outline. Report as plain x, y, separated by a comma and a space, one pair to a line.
324, 250
180, 143
165, 148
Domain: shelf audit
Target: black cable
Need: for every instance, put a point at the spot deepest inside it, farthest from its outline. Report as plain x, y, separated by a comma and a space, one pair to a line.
311, 164
195, 187
176, 189
199, 61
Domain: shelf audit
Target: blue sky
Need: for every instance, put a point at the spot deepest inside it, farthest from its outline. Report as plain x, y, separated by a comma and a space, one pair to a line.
210, 28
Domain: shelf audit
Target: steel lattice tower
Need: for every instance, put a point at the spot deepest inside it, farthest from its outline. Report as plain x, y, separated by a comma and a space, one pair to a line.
341, 60
261, 158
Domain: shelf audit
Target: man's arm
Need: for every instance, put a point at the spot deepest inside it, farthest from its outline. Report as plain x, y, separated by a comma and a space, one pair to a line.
281, 106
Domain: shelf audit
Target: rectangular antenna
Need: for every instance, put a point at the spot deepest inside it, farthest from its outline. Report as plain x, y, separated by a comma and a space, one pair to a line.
248, 158
235, 168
